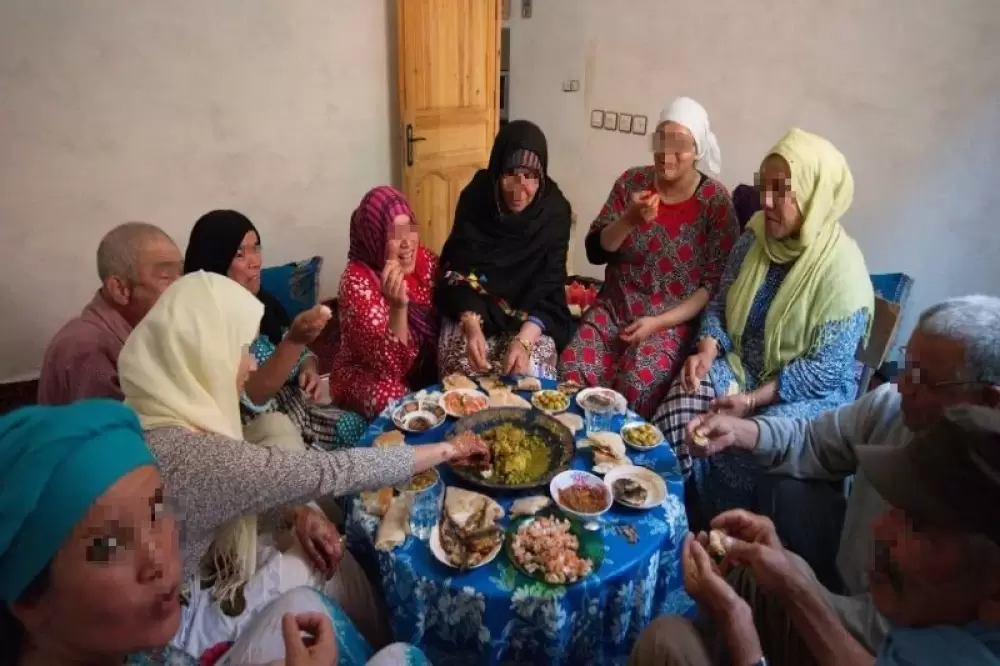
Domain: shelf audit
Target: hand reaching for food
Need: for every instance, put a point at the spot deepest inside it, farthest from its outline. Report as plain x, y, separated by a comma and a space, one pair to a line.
469, 450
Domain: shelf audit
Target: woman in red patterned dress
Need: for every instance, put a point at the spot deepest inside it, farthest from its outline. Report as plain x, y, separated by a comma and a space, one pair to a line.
664, 233
389, 331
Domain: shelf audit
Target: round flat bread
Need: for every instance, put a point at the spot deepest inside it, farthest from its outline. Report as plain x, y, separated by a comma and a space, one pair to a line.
572, 421
390, 439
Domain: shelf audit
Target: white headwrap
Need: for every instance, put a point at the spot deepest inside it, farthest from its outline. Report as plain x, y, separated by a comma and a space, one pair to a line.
692, 115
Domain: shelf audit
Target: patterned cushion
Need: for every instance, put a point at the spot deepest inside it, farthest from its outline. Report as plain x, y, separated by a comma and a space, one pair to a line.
295, 285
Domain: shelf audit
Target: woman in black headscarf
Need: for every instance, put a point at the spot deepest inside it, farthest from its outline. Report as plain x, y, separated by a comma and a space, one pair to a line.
286, 380
503, 293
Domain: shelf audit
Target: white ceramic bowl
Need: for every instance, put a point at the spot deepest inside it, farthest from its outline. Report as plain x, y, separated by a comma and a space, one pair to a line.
573, 477
639, 447
442, 557
656, 488
407, 415
616, 398
472, 393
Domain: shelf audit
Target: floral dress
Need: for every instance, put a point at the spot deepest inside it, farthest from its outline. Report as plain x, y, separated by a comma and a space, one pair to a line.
822, 380
373, 367
660, 264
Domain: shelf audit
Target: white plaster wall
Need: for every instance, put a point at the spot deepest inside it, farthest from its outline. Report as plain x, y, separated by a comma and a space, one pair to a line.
115, 110
909, 90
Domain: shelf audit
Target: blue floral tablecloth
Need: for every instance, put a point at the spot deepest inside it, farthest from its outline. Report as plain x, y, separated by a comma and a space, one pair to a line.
496, 615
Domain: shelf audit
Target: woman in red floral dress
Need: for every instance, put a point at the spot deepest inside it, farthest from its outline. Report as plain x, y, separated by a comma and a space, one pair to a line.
664, 233
389, 331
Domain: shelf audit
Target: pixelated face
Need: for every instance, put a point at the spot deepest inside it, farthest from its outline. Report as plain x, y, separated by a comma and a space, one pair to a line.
158, 265
674, 152
930, 382
401, 243
114, 586
245, 267
782, 217
920, 575
518, 188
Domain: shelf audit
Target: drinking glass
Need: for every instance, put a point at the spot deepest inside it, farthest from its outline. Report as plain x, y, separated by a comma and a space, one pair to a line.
600, 419
425, 509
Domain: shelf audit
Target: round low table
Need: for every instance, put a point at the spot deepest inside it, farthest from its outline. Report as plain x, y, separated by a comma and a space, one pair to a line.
496, 615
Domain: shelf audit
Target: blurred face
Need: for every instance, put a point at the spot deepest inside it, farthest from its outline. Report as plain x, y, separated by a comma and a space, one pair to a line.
673, 152
930, 382
782, 218
922, 575
245, 268
158, 264
247, 365
401, 243
114, 587
518, 188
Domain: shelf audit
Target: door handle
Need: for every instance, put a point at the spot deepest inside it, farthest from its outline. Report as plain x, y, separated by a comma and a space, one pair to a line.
410, 140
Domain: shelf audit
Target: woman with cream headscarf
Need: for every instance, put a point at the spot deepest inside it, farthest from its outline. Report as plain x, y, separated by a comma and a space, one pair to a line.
780, 336
664, 233
182, 370
90, 564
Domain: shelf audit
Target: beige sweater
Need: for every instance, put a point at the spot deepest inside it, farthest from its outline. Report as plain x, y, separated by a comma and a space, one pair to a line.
215, 479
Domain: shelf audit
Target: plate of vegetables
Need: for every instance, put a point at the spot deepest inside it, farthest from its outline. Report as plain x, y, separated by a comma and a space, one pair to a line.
642, 436
550, 402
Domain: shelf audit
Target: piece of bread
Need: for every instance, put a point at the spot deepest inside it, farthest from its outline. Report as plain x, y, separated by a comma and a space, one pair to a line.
457, 381
490, 382
376, 502
717, 546
502, 397
529, 384
389, 439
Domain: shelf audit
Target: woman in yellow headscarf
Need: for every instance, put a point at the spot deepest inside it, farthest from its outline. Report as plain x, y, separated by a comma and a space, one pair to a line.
182, 370
780, 336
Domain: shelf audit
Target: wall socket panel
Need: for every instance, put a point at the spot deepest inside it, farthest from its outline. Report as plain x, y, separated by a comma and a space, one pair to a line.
526, 9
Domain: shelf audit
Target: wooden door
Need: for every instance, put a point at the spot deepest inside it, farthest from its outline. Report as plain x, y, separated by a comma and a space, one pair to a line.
449, 74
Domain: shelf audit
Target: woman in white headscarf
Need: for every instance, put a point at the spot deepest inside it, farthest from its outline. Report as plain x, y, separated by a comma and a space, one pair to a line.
664, 233
182, 370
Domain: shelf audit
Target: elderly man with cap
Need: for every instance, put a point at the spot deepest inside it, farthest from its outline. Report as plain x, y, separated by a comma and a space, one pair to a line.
934, 572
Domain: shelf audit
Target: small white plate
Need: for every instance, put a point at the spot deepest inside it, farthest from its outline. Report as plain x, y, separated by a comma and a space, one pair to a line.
656, 488
472, 393
639, 447
535, 401
442, 557
617, 399
573, 477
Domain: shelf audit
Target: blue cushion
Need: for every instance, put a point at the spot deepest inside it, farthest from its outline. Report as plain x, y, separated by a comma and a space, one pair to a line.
295, 285
893, 287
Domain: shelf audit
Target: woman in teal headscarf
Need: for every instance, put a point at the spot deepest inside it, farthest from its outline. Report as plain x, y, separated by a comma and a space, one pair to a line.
90, 566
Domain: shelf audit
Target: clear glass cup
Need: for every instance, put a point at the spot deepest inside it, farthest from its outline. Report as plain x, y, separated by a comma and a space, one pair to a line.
600, 419
425, 509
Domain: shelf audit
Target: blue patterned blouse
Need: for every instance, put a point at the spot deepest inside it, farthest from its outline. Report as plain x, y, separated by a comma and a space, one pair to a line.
261, 349
822, 379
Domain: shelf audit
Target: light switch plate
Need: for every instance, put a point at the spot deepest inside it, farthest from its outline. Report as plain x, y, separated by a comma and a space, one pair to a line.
597, 119
610, 120
526, 9
639, 125
625, 122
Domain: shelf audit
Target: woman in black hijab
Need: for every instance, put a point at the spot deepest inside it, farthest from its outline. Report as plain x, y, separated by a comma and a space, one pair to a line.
286, 380
503, 286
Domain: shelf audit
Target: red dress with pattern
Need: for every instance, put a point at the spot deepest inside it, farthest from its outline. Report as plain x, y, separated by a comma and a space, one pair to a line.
659, 265
373, 367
